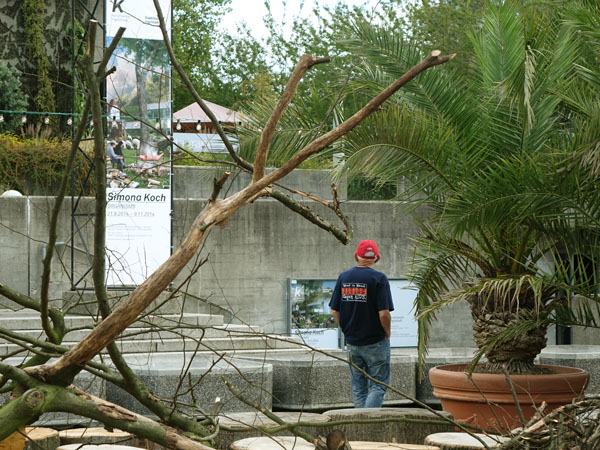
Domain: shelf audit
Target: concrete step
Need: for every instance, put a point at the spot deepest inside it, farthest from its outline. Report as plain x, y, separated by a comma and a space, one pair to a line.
165, 333
31, 321
84, 302
178, 345
135, 333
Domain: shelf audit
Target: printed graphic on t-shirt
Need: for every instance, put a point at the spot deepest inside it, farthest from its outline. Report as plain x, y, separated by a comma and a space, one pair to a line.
354, 292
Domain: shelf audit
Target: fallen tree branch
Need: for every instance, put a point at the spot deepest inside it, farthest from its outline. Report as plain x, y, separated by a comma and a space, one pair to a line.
45, 398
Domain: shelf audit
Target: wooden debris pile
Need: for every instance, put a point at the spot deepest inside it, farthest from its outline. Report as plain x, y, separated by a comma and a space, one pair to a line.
575, 427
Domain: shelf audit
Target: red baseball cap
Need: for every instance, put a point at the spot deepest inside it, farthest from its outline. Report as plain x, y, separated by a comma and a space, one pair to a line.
367, 250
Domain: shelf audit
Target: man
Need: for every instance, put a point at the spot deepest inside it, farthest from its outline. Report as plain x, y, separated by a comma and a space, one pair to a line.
116, 160
361, 305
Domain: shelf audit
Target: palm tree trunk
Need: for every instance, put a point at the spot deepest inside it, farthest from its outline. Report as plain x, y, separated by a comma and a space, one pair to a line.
515, 354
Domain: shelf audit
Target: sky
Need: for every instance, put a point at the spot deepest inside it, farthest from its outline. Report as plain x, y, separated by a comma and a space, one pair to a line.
252, 11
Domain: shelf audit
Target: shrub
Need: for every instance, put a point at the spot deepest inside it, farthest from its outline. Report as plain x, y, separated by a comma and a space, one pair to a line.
35, 166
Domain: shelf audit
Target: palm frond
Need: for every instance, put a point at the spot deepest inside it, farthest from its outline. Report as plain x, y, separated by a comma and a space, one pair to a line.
399, 142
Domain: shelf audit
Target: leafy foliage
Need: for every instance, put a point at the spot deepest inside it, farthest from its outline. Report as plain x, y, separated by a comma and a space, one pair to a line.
12, 97
501, 153
35, 166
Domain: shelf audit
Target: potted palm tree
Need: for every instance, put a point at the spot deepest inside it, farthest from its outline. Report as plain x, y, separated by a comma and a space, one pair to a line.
500, 153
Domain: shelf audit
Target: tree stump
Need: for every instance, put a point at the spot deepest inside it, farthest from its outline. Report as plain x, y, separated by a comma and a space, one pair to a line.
40, 438
15, 441
289, 443
96, 447
244, 425
99, 435
412, 431
463, 441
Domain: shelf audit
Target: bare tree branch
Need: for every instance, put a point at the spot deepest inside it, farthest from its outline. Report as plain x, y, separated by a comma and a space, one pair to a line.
305, 63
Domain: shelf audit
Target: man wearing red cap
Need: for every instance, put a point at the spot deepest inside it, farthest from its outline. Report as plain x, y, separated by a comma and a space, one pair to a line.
361, 305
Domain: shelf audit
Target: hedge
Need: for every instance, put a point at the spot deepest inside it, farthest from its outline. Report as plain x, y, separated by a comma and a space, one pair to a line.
36, 166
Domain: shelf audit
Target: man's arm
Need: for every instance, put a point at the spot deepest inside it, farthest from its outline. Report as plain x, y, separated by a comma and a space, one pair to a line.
336, 316
110, 151
386, 321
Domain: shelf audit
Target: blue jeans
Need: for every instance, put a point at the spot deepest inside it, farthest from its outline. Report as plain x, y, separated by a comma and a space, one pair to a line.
374, 359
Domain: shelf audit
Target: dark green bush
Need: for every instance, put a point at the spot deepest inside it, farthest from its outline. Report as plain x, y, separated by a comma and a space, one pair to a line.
36, 166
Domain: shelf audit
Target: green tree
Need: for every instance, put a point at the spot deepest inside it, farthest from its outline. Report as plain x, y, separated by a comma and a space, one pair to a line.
196, 40
497, 153
444, 23
33, 11
318, 105
12, 97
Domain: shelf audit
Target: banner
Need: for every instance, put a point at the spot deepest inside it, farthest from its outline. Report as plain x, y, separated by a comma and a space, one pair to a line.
138, 234
138, 17
138, 98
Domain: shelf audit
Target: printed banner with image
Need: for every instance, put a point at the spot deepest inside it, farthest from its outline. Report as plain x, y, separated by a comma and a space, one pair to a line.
138, 96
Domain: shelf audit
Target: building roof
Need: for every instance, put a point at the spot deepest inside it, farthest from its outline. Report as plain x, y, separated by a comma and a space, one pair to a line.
193, 113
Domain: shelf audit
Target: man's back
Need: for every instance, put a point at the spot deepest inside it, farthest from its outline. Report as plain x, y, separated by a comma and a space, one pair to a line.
360, 293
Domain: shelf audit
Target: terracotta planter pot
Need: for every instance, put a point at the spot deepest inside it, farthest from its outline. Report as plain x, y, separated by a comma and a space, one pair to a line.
487, 401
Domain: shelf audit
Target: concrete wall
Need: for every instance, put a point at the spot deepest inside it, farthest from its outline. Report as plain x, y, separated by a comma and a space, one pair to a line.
197, 182
248, 262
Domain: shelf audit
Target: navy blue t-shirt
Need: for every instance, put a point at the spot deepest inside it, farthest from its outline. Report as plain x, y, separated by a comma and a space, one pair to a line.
359, 294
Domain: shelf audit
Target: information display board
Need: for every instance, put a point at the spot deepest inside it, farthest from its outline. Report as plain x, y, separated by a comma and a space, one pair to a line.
310, 315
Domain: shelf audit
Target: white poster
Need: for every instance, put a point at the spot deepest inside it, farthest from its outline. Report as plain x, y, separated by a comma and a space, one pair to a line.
404, 324
138, 17
138, 234
311, 318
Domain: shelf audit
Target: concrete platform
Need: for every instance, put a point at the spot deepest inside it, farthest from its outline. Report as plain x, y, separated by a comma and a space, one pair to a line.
314, 381
201, 382
436, 356
586, 357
